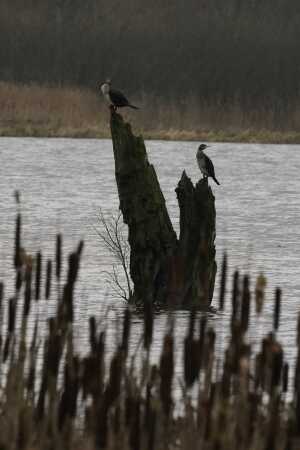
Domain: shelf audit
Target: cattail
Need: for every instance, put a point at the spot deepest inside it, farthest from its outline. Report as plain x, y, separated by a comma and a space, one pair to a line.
1, 311
51, 326
277, 309
285, 377
80, 248
68, 403
18, 280
73, 268
209, 413
149, 420
10, 326
245, 313
297, 374
226, 377
128, 403
258, 371
48, 279
297, 412
17, 258
117, 420
202, 330
211, 339
192, 354
135, 429
298, 331
69, 287
115, 377
151, 428
12, 315
93, 336
101, 430
58, 255
148, 323
32, 366
260, 293
235, 296
187, 354
1, 298
38, 276
17, 197
223, 283
40, 407
126, 331
23, 434
166, 373
27, 292
277, 364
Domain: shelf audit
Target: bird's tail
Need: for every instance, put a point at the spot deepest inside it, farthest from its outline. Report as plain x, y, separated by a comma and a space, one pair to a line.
133, 107
215, 180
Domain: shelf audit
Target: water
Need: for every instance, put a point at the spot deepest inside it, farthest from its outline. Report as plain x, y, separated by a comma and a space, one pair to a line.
65, 182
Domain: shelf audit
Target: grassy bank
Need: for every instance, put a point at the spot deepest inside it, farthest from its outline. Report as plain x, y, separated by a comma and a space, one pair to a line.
40, 111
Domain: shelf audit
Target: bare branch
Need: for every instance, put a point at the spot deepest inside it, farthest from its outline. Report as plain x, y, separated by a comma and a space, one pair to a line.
111, 233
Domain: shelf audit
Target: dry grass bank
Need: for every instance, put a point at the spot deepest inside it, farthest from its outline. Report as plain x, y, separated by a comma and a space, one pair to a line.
32, 110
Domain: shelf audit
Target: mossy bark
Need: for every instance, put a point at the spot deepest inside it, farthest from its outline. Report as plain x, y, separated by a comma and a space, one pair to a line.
197, 240
163, 268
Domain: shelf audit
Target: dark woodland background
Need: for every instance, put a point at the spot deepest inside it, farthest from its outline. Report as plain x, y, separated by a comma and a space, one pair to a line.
213, 51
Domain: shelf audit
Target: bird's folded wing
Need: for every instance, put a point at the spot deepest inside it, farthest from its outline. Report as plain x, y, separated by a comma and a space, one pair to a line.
118, 98
209, 166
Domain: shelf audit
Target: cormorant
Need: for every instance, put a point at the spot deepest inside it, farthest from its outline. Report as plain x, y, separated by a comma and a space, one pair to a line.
115, 98
205, 164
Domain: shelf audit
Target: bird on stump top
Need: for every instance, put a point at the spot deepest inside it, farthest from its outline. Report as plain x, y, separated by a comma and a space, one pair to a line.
114, 98
205, 164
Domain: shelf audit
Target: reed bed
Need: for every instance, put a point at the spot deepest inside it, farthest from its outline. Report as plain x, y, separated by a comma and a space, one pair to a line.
49, 111
82, 402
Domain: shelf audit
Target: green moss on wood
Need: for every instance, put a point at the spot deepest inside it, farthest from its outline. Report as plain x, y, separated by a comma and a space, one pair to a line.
163, 268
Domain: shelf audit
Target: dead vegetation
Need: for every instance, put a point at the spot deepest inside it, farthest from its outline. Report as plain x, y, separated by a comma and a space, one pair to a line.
45, 111
81, 402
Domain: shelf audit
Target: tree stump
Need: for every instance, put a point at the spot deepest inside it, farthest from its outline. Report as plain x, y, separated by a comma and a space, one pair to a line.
164, 269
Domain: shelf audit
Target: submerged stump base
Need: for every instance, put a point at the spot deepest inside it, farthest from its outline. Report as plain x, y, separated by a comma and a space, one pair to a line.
164, 269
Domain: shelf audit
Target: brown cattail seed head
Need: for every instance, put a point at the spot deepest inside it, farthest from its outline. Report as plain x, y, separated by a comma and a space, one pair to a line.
38, 275
27, 292
298, 331
48, 279
126, 331
58, 255
285, 377
260, 287
245, 313
223, 283
277, 308
17, 258
235, 296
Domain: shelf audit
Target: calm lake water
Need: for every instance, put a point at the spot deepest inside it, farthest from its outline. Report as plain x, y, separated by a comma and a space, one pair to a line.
65, 182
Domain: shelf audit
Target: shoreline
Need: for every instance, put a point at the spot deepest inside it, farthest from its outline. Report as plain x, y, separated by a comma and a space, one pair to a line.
72, 112
248, 136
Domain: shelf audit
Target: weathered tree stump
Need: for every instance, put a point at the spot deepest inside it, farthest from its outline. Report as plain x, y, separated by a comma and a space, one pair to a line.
163, 268
196, 249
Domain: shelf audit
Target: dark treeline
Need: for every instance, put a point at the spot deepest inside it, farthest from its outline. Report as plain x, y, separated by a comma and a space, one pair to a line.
219, 52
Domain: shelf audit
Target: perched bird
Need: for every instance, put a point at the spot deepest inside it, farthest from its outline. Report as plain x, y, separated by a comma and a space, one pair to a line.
115, 98
205, 164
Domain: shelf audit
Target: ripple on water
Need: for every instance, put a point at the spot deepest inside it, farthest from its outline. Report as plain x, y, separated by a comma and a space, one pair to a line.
64, 183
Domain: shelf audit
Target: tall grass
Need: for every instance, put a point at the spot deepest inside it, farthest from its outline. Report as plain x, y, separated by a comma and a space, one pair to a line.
33, 110
81, 402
